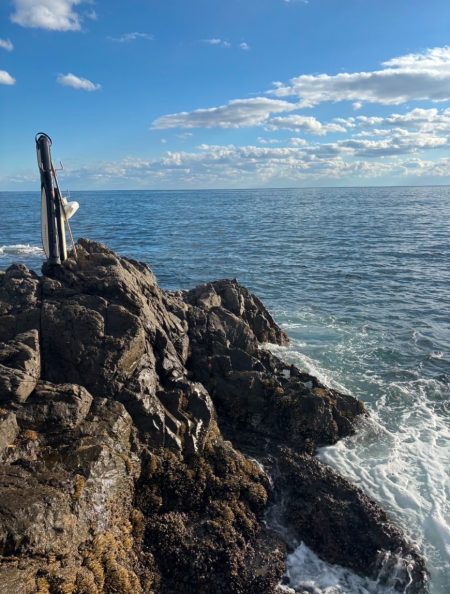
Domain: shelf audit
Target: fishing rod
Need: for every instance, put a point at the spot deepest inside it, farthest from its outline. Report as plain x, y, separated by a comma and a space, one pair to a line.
55, 209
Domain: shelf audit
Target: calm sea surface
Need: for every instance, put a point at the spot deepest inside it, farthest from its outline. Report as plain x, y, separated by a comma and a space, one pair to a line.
359, 278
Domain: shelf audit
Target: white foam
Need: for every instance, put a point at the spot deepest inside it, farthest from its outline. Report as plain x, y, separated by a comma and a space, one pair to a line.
400, 455
20, 249
307, 572
292, 354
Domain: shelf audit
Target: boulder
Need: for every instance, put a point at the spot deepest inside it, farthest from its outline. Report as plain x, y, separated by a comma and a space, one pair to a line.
53, 408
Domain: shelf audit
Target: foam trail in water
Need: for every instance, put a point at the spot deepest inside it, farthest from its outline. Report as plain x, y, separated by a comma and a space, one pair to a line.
20, 249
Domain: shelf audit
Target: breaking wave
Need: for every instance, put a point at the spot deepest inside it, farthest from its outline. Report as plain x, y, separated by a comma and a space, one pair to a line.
306, 572
20, 249
399, 455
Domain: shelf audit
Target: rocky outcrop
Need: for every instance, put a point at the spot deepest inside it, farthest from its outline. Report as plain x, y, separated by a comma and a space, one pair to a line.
146, 437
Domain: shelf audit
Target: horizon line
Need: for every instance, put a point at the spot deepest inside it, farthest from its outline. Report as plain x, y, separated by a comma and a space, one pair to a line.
246, 188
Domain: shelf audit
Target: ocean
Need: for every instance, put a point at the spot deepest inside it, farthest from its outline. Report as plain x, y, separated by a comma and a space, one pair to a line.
360, 280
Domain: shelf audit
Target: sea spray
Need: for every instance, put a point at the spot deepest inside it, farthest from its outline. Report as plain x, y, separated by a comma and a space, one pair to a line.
306, 572
399, 454
20, 250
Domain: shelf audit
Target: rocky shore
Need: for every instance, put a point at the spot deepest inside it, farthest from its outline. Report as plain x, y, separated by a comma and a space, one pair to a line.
149, 443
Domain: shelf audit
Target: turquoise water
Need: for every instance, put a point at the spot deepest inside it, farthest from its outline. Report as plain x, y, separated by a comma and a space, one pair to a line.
359, 278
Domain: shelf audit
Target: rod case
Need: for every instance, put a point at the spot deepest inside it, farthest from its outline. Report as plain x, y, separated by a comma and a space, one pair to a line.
52, 209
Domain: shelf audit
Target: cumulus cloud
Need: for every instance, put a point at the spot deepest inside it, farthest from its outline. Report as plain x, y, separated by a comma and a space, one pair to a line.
398, 143
217, 41
55, 15
235, 114
419, 119
413, 77
83, 84
127, 37
216, 165
6, 44
6, 78
308, 124
244, 46
420, 76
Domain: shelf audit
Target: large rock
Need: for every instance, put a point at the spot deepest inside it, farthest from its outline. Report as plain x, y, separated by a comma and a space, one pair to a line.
53, 408
9, 429
115, 477
19, 301
258, 397
343, 525
20, 366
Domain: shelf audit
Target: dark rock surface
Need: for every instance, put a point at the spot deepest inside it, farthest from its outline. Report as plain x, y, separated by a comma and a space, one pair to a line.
130, 421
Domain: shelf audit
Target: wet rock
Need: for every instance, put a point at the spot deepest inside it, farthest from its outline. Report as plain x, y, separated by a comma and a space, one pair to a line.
19, 302
53, 408
342, 524
258, 397
9, 430
121, 408
20, 366
239, 301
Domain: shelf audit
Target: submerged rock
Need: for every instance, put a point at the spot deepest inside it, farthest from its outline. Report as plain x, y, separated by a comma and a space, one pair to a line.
133, 425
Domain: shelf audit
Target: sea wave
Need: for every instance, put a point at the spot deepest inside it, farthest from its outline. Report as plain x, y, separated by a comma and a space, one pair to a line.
20, 249
399, 455
306, 572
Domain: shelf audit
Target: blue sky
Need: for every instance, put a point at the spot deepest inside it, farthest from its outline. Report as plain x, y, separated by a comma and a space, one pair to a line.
239, 93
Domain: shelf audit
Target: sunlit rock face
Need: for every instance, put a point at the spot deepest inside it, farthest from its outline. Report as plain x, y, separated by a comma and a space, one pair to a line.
145, 436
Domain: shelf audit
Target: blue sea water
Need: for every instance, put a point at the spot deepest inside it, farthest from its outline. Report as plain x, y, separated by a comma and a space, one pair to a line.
359, 278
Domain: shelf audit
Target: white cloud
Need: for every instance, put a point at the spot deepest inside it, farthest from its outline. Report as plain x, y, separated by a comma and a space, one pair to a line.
298, 141
308, 124
354, 160
6, 44
185, 135
216, 165
262, 140
244, 46
424, 120
235, 114
424, 76
91, 15
398, 143
420, 76
217, 41
83, 84
6, 78
127, 37
55, 15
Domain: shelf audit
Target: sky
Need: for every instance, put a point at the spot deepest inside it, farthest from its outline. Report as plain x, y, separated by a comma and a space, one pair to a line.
182, 94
